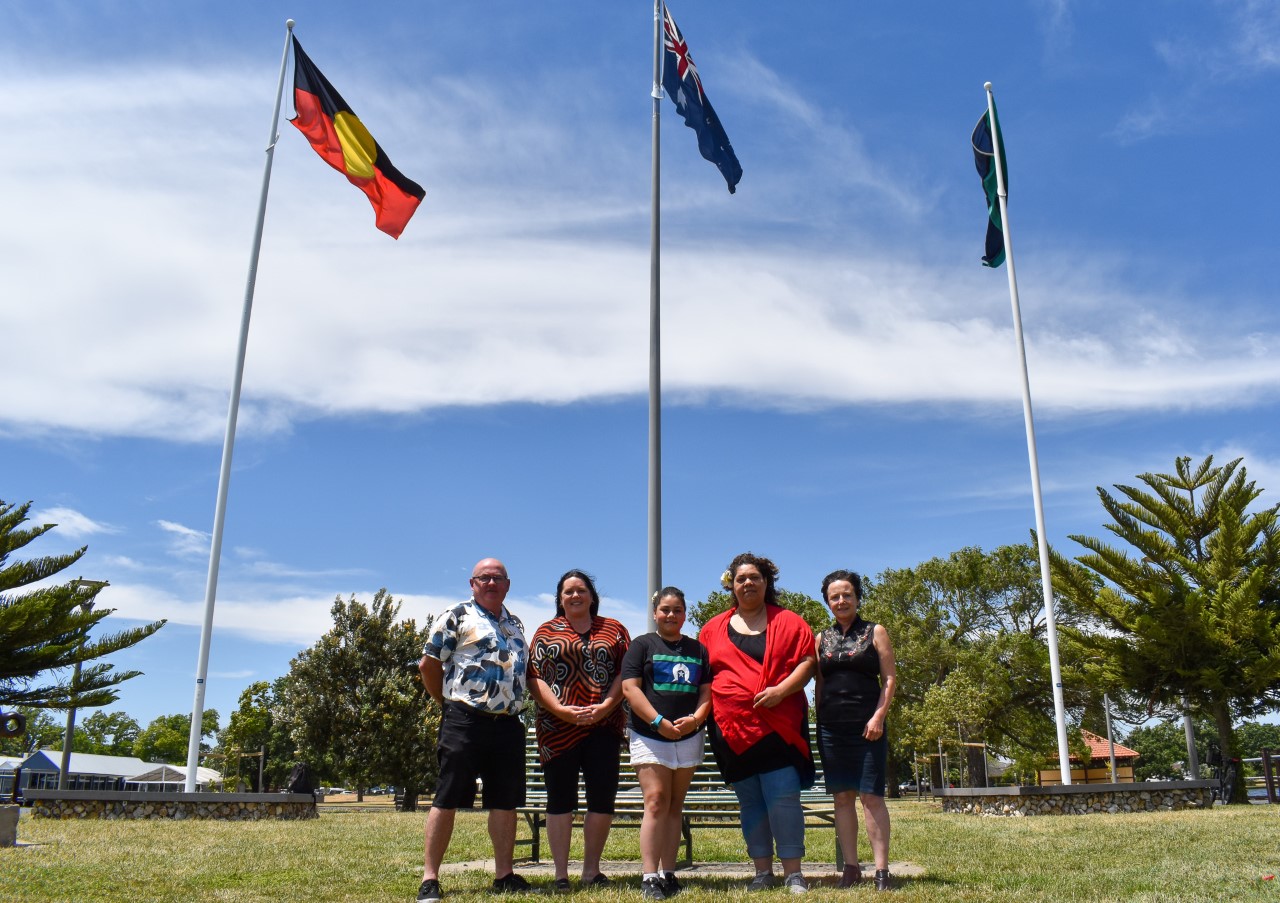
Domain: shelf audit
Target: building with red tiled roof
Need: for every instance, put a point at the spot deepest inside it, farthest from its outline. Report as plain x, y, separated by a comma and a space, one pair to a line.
1098, 769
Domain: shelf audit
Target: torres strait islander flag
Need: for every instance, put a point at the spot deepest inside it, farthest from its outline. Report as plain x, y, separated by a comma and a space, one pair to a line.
341, 139
681, 82
984, 157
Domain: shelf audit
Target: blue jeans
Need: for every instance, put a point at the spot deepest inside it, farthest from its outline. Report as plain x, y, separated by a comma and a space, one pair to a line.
771, 813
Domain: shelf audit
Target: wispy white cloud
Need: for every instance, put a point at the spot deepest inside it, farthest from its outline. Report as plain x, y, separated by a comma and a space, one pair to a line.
1243, 43
1057, 24
275, 569
184, 541
547, 308
1247, 46
71, 524
241, 674
834, 153
123, 561
301, 620
1257, 37
1151, 119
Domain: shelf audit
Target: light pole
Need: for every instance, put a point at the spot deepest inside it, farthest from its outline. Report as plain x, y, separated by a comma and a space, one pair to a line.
90, 589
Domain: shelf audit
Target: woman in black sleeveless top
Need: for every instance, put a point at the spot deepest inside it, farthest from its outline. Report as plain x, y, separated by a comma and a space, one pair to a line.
856, 680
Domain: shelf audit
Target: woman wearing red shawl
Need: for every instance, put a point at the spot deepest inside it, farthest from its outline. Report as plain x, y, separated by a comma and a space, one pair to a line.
761, 656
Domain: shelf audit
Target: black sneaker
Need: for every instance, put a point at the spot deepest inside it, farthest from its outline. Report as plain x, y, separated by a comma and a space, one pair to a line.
429, 890
671, 884
652, 889
512, 884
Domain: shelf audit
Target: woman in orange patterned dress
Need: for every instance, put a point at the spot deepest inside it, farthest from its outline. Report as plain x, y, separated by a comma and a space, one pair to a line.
575, 676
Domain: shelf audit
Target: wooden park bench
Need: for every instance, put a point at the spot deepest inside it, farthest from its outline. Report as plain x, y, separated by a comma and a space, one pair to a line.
710, 803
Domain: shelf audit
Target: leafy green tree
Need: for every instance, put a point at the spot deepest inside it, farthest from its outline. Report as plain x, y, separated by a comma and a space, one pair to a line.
254, 728
44, 632
43, 732
165, 739
973, 667
815, 613
106, 734
355, 705
1162, 749
1253, 737
1193, 611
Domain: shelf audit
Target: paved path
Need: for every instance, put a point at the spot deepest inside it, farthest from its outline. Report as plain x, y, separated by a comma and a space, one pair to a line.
818, 873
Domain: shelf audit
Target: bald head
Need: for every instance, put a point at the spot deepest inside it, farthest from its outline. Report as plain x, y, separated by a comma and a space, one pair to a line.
489, 584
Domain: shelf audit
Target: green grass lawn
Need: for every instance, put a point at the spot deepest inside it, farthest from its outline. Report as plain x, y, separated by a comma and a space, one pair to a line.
1223, 854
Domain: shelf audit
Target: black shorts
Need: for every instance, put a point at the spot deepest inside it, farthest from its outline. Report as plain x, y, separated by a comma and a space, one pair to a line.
598, 759
473, 744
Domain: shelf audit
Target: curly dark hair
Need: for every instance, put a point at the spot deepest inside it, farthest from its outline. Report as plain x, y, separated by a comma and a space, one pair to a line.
591, 588
842, 574
767, 569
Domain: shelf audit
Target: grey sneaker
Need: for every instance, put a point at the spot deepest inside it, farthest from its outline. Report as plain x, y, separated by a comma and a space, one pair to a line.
763, 881
429, 890
796, 884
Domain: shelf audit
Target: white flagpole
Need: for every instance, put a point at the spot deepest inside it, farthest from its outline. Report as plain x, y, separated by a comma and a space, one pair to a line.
655, 328
1051, 630
229, 441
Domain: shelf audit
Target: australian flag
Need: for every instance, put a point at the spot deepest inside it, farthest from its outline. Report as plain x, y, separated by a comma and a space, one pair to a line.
681, 82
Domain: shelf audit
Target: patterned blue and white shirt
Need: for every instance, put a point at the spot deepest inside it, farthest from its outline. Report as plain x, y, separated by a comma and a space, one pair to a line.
484, 657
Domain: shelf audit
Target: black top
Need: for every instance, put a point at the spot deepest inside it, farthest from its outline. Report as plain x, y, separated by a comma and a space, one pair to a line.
750, 644
850, 668
670, 676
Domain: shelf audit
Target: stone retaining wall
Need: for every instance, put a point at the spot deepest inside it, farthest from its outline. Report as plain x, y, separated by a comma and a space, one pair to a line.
1078, 799
178, 806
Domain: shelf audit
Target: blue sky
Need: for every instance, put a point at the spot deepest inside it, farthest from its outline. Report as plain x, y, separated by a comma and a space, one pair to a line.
840, 374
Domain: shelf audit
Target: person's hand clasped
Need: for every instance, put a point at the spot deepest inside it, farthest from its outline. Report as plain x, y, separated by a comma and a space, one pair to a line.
873, 730
669, 730
686, 726
768, 698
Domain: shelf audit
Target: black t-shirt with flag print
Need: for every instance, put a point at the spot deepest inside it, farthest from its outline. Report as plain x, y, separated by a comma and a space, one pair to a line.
671, 675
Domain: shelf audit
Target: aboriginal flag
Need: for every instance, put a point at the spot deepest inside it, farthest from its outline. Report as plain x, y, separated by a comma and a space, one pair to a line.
341, 139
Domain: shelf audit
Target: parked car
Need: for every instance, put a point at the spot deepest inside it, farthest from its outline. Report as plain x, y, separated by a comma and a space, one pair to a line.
912, 787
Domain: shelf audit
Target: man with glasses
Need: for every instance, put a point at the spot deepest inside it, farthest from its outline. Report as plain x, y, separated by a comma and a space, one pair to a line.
473, 665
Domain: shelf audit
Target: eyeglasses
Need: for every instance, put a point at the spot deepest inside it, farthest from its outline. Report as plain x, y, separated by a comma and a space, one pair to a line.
486, 579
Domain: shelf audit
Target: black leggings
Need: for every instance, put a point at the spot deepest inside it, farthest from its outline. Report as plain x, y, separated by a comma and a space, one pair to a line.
598, 759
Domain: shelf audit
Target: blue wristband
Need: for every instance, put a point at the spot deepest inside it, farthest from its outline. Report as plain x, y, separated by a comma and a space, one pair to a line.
656, 721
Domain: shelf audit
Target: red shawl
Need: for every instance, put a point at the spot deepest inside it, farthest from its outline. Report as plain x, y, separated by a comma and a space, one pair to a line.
736, 678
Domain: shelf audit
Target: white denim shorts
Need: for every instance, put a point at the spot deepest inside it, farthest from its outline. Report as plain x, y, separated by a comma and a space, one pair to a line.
684, 753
